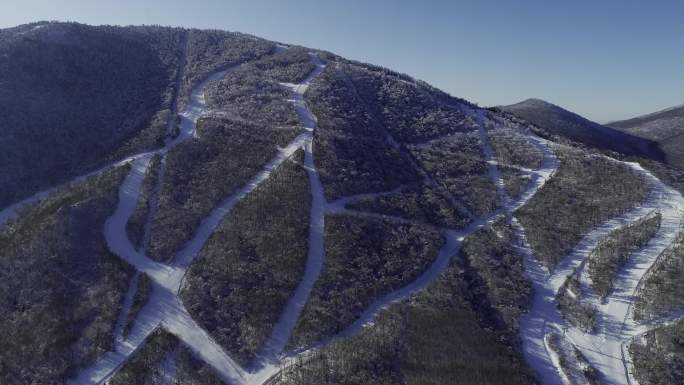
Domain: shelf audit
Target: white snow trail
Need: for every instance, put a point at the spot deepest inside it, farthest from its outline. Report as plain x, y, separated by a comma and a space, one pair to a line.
615, 323
176, 320
605, 350
117, 236
533, 323
453, 239
166, 279
126, 308
280, 335
147, 321
274, 346
185, 256
164, 309
488, 152
341, 203
11, 211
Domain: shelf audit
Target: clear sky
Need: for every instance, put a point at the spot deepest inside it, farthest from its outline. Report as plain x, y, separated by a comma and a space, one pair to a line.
605, 59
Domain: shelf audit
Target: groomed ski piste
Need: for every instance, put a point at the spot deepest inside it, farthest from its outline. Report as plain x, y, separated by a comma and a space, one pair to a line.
605, 350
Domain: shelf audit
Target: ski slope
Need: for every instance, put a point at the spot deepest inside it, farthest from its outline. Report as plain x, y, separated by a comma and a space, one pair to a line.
604, 349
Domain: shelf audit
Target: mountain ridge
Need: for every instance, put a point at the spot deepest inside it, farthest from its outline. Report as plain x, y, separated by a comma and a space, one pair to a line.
559, 121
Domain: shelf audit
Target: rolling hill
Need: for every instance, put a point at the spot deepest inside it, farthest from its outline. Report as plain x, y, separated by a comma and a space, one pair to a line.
665, 127
558, 121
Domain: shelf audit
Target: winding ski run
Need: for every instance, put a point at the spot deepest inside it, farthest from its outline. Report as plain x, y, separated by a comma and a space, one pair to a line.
606, 350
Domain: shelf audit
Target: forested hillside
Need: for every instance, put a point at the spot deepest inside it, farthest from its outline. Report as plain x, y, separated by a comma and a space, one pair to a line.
202, 207
76, 96
665, 127
558, 121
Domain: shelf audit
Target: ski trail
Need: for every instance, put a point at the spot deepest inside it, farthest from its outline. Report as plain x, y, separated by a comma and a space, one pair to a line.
280, 335
184, 257
148, 320
543, 310
177, 320
615, 325
11, 211
588, 243
604, 350
492, 169
164, 309
117, 237
452, 242
282, 330
532, 324
153, 205
166, 279
179, 79
187, 129
126, 308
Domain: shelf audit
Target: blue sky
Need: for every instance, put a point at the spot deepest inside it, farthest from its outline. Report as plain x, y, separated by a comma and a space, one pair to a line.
605, 59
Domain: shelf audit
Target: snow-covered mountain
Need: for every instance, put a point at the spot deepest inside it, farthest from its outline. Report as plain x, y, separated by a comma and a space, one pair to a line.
665, 127
214, 208
559, 121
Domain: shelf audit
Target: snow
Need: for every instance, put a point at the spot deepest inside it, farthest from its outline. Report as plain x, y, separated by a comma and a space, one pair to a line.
555, 358
164, 309
10, 212
452, 242
178, 321
606, 348
184, 257
126, 308
280, 335
197, 107
146, 323
282, 330
117, 237
340, 204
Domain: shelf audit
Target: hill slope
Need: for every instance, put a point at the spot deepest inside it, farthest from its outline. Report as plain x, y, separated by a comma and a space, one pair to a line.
283, 215
665, 127
564, 123
76, 96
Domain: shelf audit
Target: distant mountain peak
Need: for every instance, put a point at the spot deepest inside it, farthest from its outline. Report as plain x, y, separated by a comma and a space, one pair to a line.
559, 121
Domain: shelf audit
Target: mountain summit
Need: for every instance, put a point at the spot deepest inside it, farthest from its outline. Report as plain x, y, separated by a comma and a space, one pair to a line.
665, 127
559, 121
